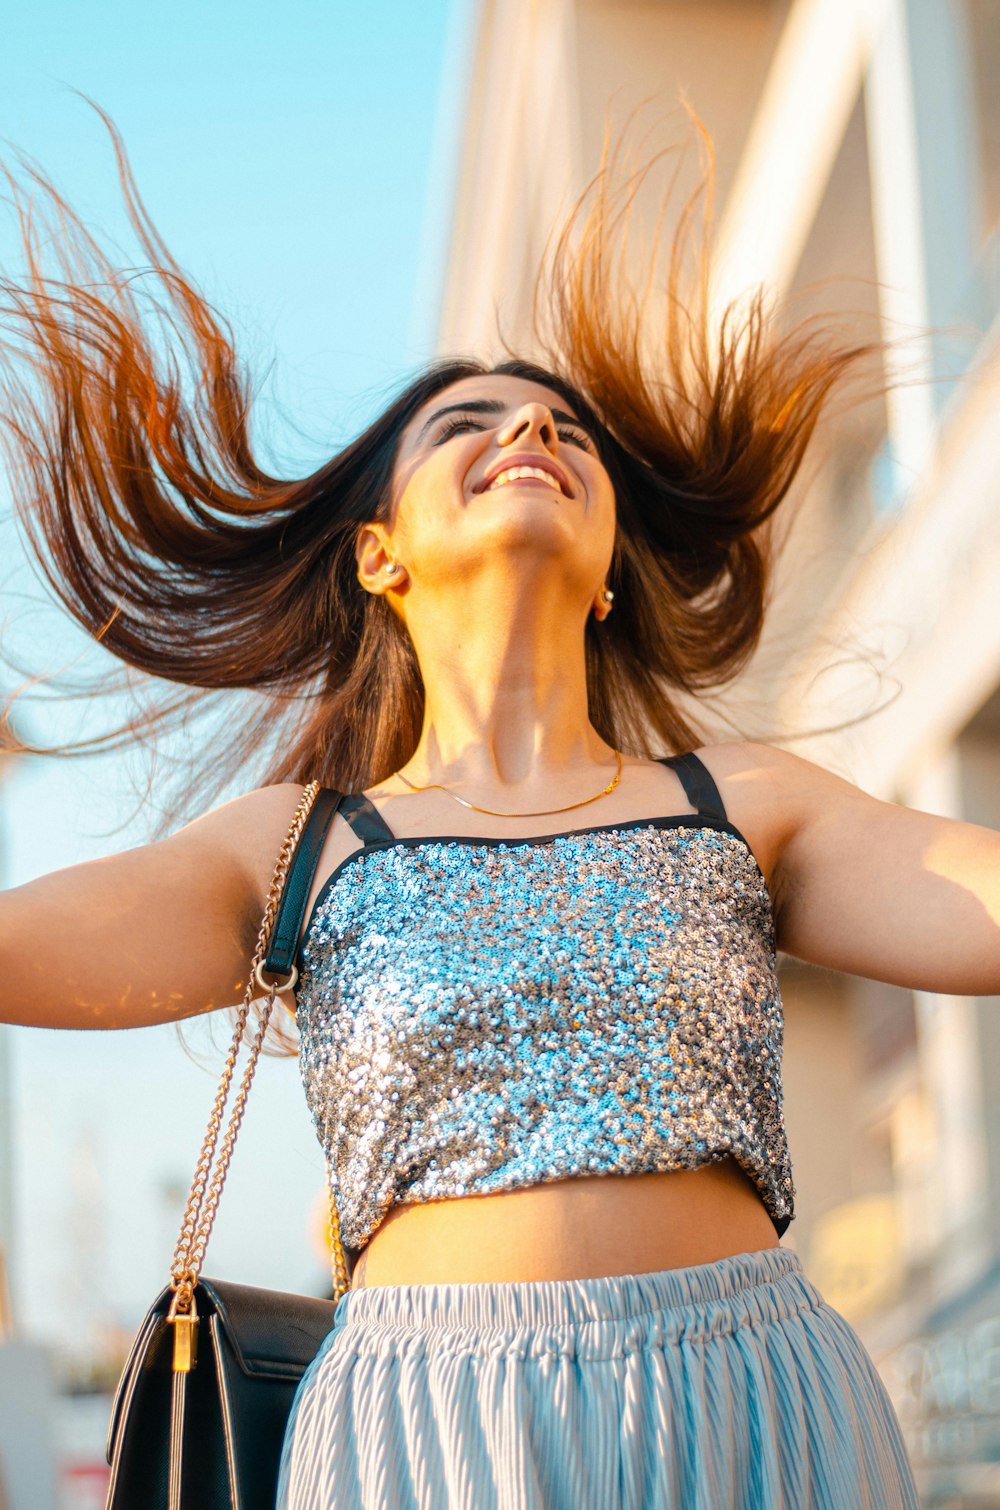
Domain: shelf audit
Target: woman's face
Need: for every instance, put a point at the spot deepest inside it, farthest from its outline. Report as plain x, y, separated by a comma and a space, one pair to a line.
456, 505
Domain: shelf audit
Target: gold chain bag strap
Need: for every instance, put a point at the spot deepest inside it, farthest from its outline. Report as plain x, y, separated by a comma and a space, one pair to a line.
206, 1187
190, 1433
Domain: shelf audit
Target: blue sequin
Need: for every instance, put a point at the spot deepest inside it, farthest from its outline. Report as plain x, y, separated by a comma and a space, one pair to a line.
478, 1016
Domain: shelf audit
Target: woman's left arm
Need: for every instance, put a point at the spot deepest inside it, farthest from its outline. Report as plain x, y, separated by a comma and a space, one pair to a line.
881, 890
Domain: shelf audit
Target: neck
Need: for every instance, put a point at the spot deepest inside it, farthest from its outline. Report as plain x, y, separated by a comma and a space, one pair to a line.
506, 709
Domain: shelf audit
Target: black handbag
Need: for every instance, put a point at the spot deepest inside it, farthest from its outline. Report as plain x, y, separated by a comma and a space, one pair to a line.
254, 1347
200, 1413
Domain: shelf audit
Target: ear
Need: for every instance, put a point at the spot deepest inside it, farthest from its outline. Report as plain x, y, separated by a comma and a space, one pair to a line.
373, 556
601, 607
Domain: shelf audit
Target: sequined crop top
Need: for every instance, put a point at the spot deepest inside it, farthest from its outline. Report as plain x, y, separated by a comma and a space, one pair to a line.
479, 1015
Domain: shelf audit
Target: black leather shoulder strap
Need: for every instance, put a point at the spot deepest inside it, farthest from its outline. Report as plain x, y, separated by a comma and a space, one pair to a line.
298, 883
698, 784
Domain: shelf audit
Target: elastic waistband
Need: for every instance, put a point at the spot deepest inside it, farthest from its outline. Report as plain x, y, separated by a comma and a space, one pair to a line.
668, 1305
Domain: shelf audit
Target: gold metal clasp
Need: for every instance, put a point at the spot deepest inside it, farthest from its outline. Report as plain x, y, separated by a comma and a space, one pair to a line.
280, 987
183, 1317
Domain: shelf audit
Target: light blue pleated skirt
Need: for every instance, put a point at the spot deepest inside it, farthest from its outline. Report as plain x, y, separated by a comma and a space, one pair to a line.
728, 1386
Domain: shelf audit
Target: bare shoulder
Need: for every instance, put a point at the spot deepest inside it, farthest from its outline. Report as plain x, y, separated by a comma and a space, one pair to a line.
771, 795
153, 934
751, 769
244, 833
241, 818
863, 884
248, 831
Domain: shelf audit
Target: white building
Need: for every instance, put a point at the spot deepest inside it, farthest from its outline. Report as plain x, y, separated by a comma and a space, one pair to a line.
857, 141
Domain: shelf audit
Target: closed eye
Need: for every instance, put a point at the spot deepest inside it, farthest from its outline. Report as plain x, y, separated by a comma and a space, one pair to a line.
460, 422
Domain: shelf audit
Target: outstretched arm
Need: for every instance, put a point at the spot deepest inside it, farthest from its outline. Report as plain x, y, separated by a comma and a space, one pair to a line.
881, 890
151, 935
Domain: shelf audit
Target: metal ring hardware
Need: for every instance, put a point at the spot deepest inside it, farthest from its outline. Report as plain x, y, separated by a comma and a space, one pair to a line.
265, 985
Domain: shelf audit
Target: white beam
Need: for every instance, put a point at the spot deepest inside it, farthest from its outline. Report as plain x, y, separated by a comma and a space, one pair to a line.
519, 164
807, 101
923, 177
920, 607
950, 1055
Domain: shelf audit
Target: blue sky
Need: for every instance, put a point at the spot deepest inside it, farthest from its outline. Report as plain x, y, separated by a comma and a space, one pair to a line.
299, 165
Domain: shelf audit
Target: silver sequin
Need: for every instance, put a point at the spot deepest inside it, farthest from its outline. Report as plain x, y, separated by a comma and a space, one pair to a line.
482, 1015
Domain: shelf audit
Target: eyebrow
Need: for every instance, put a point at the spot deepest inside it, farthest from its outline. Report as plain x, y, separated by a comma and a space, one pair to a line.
496, 406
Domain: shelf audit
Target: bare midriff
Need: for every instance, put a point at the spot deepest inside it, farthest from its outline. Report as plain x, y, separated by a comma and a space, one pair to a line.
579, 1228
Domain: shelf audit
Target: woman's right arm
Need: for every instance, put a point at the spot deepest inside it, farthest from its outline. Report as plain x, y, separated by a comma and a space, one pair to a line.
151, 935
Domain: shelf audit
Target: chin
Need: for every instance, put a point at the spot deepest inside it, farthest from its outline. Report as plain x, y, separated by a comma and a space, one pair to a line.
524, 528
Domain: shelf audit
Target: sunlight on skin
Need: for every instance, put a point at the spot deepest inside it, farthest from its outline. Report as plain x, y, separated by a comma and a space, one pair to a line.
964, 856
509, 699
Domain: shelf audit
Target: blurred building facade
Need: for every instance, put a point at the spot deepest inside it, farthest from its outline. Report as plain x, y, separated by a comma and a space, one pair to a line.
8, 762
27, 1387
858, 171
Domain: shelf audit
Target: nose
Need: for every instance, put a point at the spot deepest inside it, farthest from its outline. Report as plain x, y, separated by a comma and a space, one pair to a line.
530, 419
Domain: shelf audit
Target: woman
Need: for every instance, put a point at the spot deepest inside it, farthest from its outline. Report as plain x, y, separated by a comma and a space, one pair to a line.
539, 1020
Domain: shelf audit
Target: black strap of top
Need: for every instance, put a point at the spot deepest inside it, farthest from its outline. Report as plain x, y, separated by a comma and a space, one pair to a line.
699, 787
298, 883
366, 820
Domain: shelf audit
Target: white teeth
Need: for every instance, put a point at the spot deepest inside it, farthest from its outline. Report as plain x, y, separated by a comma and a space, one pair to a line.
513, 473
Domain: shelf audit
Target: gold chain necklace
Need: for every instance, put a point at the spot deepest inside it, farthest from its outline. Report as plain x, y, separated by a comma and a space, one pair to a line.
545, 812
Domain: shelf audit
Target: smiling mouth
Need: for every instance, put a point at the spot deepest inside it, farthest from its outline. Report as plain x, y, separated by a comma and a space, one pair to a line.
539, 476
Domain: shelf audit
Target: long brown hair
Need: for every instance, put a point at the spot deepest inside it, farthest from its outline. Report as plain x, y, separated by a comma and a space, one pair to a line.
127, 419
